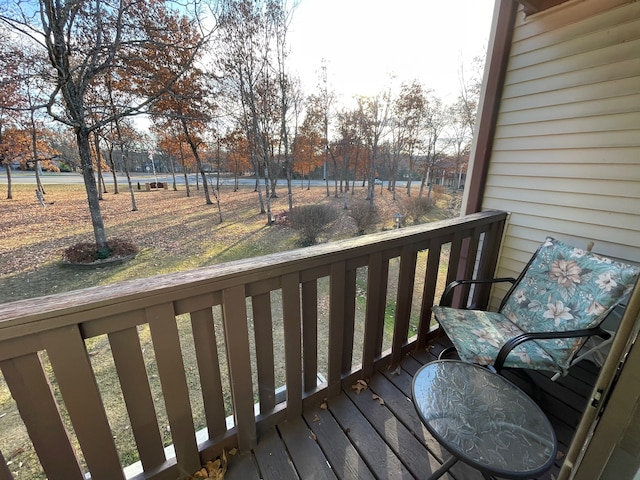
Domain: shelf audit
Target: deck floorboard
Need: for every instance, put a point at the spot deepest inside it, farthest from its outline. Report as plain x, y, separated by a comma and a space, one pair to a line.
377, 434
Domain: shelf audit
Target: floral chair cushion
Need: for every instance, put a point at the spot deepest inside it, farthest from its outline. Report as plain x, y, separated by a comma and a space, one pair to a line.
564, 288
567, 288
478, 337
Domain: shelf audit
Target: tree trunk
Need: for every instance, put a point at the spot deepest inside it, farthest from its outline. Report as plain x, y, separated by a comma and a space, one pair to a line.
173, 173
34, 151
290, 189
326, 177
38, 181
113, 172
96, 146
134, 205
84, 149
9, 189
196, 154
266, 189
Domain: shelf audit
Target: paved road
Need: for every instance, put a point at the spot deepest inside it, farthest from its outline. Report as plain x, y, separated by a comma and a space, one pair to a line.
47, 178
26, 178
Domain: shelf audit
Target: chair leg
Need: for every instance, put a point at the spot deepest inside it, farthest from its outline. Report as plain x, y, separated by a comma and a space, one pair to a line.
446, 352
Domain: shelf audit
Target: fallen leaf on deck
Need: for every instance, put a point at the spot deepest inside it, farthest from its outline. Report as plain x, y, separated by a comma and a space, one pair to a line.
324, 405
359, 386
214, 470
376, 397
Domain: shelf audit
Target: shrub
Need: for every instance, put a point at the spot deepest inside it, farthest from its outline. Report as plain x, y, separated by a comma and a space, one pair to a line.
311, 221
86, 252
365, 215
416, 207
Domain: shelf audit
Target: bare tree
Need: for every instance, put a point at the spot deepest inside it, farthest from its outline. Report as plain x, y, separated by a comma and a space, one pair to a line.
432, 147
85, 40
253, 46
374, 115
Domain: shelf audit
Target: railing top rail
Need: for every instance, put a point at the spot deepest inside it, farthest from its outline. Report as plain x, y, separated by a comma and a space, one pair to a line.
61, 309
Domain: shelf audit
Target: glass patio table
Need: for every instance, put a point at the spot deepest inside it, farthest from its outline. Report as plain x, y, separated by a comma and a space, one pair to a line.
484, 420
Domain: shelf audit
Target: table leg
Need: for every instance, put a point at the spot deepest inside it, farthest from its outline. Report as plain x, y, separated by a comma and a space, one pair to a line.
443, 469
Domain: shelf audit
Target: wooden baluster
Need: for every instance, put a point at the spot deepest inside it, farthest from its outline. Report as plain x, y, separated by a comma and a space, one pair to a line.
429, 291
5, 473
166, 345
349, 320
72, 369
374, 315
292, 342
234, 315
204, 341
336, 327
404, 297
467, 266
32, 393
129, 362
310, 334
263, 329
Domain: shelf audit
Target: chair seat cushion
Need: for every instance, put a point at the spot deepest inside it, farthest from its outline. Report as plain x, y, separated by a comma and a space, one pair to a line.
478, 337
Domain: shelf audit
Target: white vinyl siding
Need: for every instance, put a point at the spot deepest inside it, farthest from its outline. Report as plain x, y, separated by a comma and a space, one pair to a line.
566, 154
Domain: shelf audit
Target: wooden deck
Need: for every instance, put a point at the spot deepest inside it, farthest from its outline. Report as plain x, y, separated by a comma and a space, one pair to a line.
377, 434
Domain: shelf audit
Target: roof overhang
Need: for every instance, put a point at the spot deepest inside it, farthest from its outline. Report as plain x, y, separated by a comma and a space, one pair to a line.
537, 6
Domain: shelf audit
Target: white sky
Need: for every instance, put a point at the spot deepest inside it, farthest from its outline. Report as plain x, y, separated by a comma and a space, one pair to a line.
364, 41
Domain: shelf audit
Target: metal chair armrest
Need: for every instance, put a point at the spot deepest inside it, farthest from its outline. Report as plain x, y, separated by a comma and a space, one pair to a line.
525, 337
445, 299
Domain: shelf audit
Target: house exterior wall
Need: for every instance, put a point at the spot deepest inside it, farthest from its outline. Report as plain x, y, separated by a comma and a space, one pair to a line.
565, 159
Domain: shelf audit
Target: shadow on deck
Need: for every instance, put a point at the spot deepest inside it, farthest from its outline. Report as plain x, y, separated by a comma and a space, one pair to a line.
377, 434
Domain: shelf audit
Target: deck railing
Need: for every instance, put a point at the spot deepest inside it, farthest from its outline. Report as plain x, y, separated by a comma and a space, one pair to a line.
302, 323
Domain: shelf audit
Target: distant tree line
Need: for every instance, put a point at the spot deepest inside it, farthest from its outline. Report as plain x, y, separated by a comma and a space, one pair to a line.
212, 81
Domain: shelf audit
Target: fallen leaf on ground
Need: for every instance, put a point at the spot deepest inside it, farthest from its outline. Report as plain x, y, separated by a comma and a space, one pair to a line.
376, 397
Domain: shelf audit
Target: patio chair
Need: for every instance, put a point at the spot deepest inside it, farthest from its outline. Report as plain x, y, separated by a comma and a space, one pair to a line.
556, 304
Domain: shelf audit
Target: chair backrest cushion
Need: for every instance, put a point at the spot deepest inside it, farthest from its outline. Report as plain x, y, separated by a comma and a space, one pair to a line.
567, 288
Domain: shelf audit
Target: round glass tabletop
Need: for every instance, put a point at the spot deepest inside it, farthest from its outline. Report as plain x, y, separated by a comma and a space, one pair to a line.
483, 419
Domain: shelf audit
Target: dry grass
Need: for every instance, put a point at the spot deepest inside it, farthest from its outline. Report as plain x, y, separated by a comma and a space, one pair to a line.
173, 233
